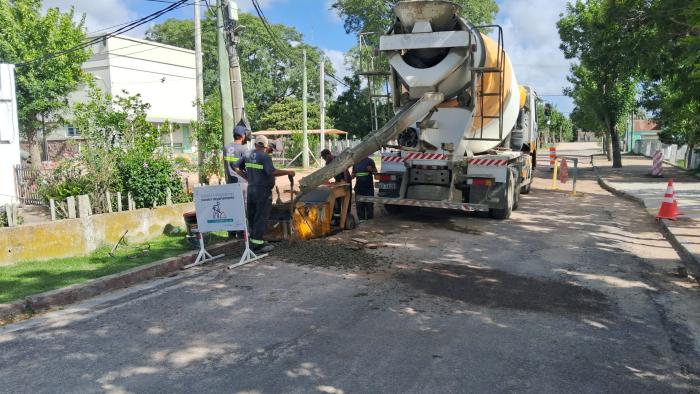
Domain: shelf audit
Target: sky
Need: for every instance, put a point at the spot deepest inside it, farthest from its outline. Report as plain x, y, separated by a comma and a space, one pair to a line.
529, 28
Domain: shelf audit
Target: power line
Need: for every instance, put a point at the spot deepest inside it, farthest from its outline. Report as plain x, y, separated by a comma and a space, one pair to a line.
130, 26
276, 40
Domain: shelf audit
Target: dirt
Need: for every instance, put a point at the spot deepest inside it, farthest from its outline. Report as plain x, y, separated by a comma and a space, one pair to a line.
330, 254
499, 289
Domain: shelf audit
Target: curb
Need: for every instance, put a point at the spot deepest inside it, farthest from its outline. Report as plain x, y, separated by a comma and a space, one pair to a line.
30, 305
692, 262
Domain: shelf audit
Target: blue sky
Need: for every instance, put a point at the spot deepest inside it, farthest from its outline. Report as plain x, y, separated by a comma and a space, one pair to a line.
529, 30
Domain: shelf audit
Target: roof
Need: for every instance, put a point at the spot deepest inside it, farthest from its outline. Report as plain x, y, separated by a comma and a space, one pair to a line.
645, 125
290, 132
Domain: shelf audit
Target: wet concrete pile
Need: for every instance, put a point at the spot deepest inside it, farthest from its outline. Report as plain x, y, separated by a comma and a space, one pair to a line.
330, 254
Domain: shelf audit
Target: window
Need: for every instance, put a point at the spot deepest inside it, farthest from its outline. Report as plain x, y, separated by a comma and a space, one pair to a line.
72, 131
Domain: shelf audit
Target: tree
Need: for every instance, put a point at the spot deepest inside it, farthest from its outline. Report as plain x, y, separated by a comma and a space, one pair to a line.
664, 37
270, 72
351, 110
377, 15
286, 114
603, 81
43, 83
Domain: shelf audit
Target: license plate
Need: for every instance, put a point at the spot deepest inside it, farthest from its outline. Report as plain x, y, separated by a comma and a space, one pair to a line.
387, 186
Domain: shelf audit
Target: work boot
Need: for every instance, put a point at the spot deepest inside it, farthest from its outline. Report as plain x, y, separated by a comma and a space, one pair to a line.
264, 249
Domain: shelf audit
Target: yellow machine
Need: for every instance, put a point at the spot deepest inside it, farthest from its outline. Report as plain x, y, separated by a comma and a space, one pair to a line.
312, 215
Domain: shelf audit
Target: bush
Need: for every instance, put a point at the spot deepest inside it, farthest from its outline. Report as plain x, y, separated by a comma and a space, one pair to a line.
148, 179
65, 181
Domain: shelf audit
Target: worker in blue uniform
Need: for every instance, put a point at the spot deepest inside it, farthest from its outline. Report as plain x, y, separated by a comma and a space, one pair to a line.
364, 172
258, 169
234, 152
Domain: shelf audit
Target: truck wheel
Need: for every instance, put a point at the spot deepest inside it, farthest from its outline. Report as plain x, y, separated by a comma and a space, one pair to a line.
526, 189
504, 213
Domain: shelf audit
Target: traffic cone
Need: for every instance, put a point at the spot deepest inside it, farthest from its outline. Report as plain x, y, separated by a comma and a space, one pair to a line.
669, 206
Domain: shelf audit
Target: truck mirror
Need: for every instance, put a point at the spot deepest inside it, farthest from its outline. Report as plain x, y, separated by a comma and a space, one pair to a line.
547, 109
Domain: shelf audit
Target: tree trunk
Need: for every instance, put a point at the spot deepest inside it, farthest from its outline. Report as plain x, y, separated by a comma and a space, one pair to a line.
606, 146
615, 142
34, 148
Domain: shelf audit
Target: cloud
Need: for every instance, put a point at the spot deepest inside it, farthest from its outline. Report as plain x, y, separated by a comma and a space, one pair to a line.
98, 14
332, 14
532, 42
337, 58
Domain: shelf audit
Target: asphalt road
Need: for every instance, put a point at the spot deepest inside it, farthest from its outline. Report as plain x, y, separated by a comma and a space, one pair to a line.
573, 294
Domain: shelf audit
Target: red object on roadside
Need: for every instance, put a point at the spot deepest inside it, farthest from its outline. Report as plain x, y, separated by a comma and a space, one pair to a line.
563, 171
669, 206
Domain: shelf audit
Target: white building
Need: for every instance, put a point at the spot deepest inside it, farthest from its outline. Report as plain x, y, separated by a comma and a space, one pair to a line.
163, 75
9, 134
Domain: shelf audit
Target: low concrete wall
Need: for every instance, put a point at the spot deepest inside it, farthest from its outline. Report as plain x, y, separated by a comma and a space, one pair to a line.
78, 237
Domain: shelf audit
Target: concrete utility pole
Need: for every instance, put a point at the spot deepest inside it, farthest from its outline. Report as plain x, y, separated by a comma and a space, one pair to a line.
322, 103
233, 37
199, 76
305, 144
224, 76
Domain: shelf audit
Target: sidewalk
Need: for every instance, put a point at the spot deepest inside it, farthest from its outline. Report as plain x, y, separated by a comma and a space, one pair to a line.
635, 181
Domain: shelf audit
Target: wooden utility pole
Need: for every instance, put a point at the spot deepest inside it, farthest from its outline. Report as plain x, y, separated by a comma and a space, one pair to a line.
200, 84
305, 144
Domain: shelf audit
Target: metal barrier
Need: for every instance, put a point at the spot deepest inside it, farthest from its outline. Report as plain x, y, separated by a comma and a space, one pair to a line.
556, 172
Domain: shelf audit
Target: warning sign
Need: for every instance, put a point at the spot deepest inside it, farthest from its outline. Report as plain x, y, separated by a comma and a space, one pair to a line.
220, 208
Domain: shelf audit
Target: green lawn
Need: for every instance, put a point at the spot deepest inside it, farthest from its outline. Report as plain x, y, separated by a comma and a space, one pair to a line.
33, 277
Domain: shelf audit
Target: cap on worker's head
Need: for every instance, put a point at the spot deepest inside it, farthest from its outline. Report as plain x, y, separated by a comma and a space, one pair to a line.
240, 130
261, 140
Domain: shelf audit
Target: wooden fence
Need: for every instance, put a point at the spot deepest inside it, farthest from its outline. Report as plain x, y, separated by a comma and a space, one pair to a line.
27, 185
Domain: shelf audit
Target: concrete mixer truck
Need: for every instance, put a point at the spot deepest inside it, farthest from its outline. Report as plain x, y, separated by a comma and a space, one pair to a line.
464, 132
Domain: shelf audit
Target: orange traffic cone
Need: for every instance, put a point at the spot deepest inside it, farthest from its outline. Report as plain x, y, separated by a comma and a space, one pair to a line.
669, 206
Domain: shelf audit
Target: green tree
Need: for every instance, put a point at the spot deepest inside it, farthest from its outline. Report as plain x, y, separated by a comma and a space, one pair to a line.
286, 114
377, 15
208, 134
43, 85
351, 110
602, 81
269, 72
663, 36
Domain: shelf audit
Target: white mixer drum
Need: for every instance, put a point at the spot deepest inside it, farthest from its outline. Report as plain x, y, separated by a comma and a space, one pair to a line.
491, 105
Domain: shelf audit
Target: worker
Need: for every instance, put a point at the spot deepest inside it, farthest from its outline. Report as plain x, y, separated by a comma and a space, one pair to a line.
232, 154
257, 167
364, 172
236, 151
343, 177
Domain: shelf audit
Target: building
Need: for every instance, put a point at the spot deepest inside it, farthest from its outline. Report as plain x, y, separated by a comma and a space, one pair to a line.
163, 75
9, 135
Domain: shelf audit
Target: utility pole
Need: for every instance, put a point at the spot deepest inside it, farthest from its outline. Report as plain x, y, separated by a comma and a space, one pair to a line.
224, 76
322, 103
305, 144
200, 83
233, 37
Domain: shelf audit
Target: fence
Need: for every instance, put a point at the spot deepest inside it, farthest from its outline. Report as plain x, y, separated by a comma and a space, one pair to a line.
27, 185
672, 153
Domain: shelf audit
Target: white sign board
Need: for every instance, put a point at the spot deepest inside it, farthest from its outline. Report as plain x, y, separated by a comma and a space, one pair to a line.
220, 208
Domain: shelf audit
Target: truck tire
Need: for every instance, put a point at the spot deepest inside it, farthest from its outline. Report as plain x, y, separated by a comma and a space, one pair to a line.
526, 189
504, 213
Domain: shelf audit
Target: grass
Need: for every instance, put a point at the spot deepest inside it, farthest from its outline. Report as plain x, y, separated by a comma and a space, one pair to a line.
34, 277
